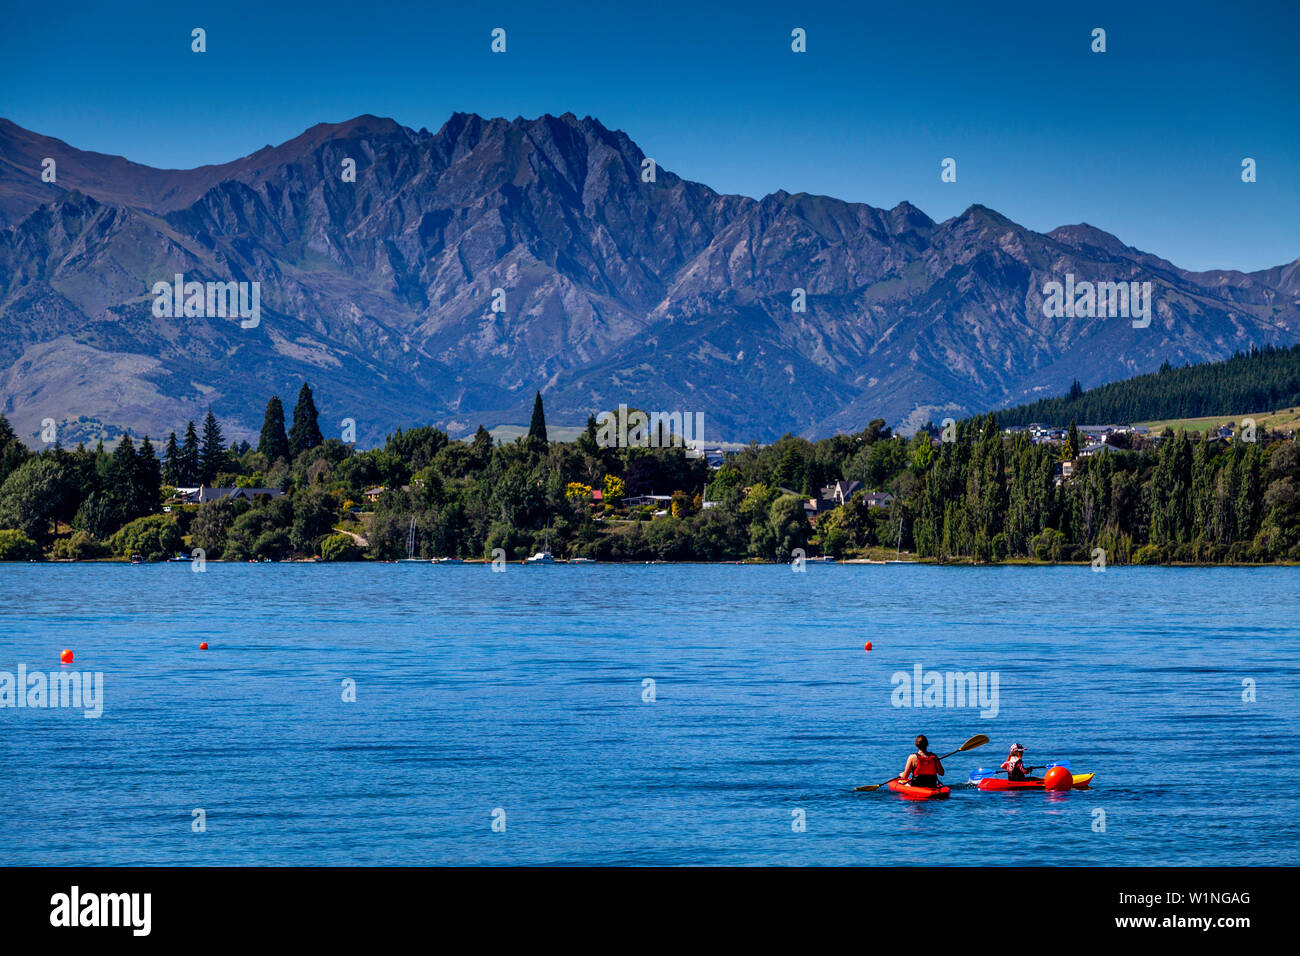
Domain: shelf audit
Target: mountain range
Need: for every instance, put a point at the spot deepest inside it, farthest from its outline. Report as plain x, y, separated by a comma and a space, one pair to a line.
619, 283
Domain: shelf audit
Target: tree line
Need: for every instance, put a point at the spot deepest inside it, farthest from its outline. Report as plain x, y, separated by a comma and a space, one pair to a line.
983, 496
1263, 378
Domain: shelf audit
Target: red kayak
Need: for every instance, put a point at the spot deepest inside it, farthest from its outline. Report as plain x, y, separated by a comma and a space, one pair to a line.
1081, 782
917, 793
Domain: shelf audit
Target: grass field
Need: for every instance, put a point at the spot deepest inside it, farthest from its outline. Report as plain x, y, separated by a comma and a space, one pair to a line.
1284, 419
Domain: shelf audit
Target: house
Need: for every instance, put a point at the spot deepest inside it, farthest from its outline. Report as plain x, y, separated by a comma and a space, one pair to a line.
878, 499
653, 501
830, 497
715, 458
840, 492
1095, 447
373, 494
203, 494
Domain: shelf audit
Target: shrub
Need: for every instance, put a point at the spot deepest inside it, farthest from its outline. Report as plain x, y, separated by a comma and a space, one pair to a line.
339, 547
155, 537
16, 546
79, 546
1147, 554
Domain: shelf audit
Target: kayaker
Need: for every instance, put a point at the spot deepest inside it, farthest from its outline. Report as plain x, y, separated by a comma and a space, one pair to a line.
923, 768
1014, 765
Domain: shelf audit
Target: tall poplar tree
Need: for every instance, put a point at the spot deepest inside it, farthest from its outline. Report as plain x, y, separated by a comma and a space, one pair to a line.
273, 442
537, 427
305, 432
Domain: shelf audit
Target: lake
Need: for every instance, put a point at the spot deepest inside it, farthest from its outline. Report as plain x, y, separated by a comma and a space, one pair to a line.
510, 718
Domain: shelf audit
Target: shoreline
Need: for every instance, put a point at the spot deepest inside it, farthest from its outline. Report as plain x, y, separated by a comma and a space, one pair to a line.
854, 562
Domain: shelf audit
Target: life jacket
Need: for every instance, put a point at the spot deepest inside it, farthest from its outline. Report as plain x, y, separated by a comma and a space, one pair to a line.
927, 765
1014, 764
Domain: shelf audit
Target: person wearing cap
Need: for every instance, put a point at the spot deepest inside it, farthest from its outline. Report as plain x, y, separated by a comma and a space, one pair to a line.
1015, 764
923, 769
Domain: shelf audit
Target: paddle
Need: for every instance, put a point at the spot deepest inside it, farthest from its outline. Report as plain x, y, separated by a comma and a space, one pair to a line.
982, 774
979, 740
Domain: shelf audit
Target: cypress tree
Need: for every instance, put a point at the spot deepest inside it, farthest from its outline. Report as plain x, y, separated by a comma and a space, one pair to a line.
305, 432
482, 447
273, 442
537, 427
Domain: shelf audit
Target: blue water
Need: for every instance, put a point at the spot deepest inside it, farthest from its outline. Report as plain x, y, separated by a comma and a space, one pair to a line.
523, 691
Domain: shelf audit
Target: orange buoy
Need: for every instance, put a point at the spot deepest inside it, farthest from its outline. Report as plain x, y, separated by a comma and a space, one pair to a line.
203, 646
66, 656
1058, 778
866, 646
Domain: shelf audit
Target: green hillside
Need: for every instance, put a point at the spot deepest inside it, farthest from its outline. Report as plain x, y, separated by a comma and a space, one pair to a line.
1263, 379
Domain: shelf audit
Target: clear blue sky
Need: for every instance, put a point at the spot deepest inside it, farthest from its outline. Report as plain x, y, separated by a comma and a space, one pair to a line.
1145, 140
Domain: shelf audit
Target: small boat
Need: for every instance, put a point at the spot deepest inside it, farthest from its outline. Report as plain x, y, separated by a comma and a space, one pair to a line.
544, 556
918, 793
582, 560
410, 547
1081, 782
448, 561
137, 559
820, 559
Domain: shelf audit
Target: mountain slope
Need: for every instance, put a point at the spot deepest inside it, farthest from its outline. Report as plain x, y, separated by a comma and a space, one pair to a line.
660, 294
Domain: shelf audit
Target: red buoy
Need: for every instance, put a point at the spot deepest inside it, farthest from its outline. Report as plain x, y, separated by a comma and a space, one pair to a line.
203, 646
1058, 778
66, 656
866, 646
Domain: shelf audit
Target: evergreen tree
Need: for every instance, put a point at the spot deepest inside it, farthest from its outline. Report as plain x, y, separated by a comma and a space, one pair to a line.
190, 468
587, 442
171, 473
148, 479
305, 432
537, 427
126, 483
12, 451
273, 442
481, 448
212, 457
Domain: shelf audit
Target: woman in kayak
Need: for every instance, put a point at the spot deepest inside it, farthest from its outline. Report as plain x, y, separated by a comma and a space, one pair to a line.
923, 768
1014, 765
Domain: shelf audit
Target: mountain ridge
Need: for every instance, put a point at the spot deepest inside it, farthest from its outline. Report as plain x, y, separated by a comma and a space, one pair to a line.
664, 294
